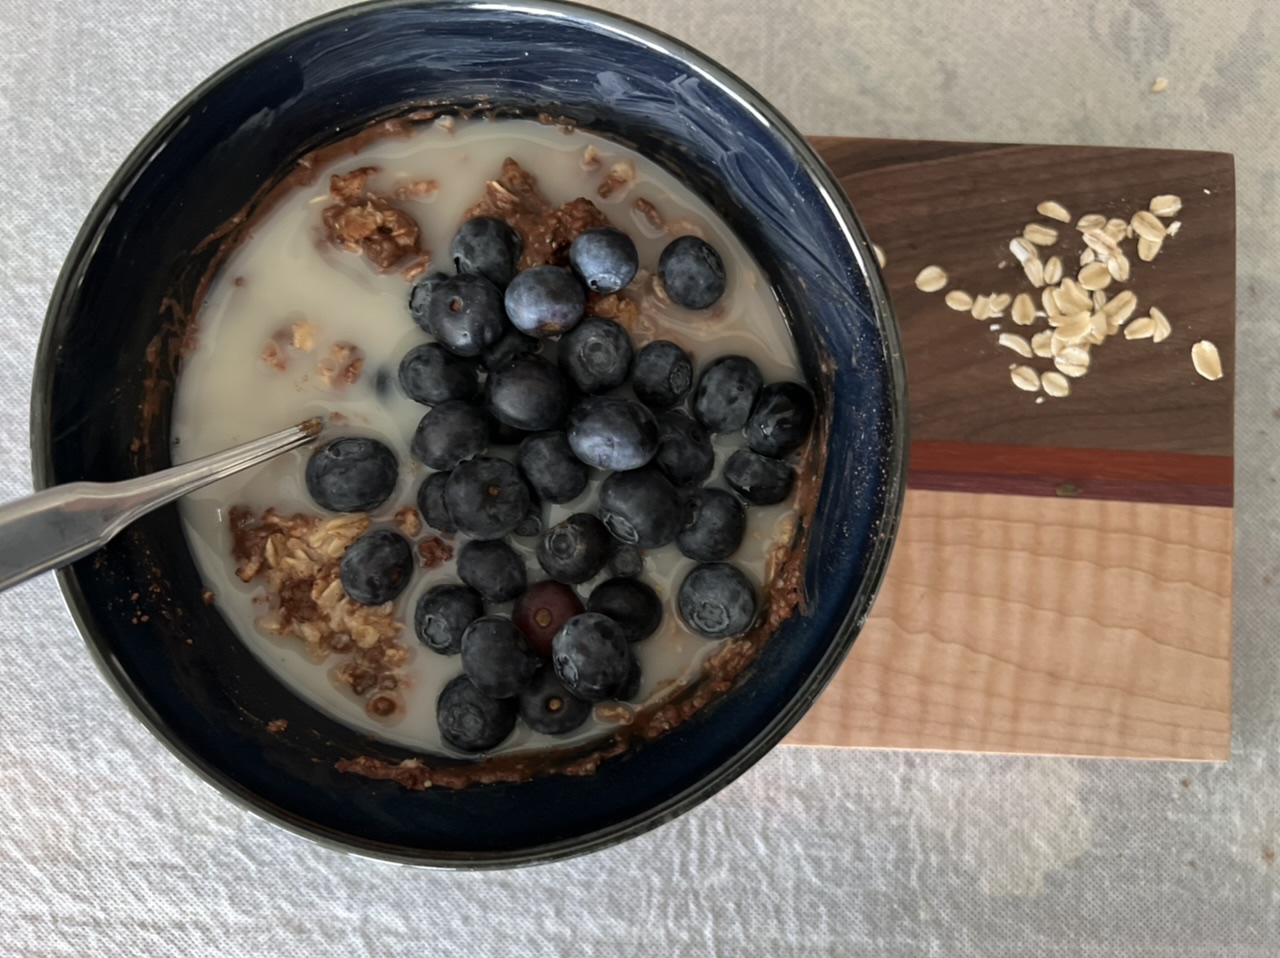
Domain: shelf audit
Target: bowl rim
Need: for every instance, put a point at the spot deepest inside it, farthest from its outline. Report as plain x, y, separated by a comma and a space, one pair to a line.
837, 205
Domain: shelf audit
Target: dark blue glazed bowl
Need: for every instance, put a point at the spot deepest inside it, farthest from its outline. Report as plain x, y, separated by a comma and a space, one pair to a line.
110, 351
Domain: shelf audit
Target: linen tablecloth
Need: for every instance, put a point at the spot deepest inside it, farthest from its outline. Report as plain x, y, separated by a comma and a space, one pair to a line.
109, 845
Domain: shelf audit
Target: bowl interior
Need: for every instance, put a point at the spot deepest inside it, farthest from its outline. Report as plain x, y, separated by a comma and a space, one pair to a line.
133, 276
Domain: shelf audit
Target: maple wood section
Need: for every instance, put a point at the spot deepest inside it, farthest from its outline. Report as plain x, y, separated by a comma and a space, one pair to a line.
1038, 625
1167, 477
956, 205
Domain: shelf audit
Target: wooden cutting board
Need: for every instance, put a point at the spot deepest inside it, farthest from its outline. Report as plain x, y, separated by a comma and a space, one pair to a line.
1062, 579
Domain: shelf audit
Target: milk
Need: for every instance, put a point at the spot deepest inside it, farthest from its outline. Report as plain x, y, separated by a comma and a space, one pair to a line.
286, 270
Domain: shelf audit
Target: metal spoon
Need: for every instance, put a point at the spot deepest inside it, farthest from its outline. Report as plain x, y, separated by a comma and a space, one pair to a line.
60, 525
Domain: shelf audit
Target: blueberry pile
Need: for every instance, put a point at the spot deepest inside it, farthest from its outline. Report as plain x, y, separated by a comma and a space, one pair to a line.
527, 395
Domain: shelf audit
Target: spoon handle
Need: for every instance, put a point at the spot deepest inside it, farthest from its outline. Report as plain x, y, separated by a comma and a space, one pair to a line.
60, 525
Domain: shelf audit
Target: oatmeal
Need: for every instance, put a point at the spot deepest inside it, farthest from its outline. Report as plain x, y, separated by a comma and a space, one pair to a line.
324, 564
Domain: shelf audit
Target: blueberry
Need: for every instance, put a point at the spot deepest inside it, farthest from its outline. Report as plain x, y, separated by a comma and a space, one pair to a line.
486, 497
430, 374
450, 433
714, 522
487, 247
351, 474
591, 656
554, 472
471, 721
492, 568
465, 314
605, 258
640, 507
432, 505
540, 612
629, 689
443, 614
596, 355
496, 657
626, 561
684, 452
781, 421
548, 707
629, 602
663, 375
758, 479
527, 393
420, 298
717, 601
508, 346
576, 549
545, 301
610, 433
692, 272
726, 394
376, 567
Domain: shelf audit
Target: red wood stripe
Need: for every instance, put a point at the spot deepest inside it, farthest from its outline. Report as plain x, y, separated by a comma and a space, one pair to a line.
1121, 474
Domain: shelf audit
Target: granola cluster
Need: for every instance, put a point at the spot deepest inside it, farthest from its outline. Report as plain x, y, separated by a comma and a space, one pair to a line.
296, 557
363, 221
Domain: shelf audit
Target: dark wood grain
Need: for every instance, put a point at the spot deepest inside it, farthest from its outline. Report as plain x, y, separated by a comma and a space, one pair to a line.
958, 204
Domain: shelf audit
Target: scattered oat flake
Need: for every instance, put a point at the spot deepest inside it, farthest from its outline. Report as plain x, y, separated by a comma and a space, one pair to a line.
1041, 343
1087, 256
1099, 299
1098, 321
1161, 84
1173, 228
1017, 343
879, 251
1069, 369
1034, 269
1049, 300
1165, 205
1053, 271
1024, 310
1055, 384
1072, 297
1054, 210
1163, 328
1121, 306
1091, 221
981, 308
1075, 328
1148, 249
1147, 225
1023, 250
1117, 229
1073, 355
999, 303
1119, 268
1094, 276
959, 300
1025, 378
1204, 356
1143, 327
1101, 242
1040, 234
931, 279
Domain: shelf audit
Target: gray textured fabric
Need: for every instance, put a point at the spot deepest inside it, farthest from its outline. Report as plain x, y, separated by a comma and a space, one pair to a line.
109, 845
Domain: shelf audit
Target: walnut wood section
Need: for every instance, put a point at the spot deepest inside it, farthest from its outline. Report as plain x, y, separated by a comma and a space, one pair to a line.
957, 205
1062, 626
1169, 477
